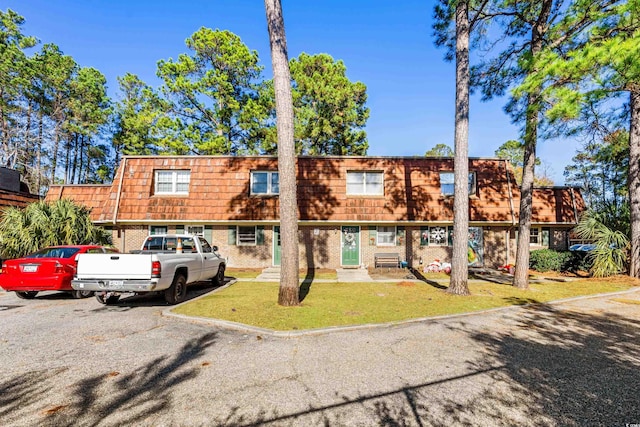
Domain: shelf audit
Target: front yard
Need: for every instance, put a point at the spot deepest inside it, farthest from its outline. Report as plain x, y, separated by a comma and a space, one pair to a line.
340, 304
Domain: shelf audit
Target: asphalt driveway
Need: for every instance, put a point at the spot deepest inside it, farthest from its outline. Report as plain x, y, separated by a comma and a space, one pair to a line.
67, 362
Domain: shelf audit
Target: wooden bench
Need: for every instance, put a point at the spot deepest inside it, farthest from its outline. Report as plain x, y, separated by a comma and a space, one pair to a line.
386, 260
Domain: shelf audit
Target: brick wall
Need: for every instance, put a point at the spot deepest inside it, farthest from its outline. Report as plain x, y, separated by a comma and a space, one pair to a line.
320, 246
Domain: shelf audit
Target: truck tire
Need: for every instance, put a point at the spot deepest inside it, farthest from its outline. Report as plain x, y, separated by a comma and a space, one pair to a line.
177, 292
107, 300
218, 279
81, 294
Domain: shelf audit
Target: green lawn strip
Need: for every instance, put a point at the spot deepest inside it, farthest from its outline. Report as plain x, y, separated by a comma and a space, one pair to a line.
341, 304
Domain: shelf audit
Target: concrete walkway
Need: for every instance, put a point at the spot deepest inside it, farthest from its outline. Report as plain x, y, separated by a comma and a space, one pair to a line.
272, 274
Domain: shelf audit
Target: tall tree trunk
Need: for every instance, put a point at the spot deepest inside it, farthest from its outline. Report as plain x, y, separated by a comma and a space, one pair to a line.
54, 159
39, 150
521, 275
634, 182
459, 260
74, 162
289, 284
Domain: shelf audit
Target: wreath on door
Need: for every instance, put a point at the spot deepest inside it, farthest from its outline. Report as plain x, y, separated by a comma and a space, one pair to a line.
349, 237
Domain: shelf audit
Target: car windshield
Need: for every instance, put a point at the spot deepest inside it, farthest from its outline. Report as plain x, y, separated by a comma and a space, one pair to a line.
54, 253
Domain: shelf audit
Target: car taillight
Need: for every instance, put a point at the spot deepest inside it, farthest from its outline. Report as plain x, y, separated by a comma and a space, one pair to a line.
155, 269
59, 268
4, 268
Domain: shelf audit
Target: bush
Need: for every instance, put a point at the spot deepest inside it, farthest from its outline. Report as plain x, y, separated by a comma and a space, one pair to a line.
547, 260
550, 260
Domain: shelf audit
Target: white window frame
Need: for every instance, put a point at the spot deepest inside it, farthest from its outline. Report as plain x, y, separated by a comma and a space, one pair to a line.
177, 180
153, 229
386, 233
447, 177
359, 187
272, 189
540, 236
189, 229
246, 242
446, 235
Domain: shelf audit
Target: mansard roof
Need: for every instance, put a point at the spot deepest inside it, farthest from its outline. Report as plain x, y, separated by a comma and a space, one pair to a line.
219, 191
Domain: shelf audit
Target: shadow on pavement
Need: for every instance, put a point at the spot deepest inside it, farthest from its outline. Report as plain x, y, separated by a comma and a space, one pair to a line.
133, 397
554, 368
156, 299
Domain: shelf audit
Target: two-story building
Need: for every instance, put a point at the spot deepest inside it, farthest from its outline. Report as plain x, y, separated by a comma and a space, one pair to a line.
350, 208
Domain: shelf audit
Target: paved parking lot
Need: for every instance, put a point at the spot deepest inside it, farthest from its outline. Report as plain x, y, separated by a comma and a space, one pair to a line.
66, 362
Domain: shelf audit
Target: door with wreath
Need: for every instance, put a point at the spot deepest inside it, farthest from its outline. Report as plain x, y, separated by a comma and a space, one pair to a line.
350, 243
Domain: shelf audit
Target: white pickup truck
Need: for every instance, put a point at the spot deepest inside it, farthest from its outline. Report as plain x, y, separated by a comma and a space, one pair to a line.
166, 262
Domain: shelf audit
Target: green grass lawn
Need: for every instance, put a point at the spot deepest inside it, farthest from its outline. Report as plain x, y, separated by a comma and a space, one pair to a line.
340, 304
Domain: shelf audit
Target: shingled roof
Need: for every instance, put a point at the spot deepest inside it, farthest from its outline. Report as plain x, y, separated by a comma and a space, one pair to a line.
219, 191
19, 200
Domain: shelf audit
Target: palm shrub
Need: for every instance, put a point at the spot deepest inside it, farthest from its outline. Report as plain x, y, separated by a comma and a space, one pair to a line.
611, 246
42, 224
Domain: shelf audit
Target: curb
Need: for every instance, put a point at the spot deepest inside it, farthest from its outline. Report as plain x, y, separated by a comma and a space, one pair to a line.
241, 327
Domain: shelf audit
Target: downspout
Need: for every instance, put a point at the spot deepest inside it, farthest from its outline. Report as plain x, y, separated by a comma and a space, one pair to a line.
115, 212
573, 202
61, 191
575, 215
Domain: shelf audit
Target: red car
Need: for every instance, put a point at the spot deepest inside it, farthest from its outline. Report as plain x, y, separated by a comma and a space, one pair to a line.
49, 269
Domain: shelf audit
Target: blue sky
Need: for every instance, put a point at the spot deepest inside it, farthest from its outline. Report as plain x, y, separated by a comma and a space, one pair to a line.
386, 45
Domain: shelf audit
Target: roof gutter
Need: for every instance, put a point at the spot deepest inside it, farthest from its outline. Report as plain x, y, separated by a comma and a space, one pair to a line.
115, 212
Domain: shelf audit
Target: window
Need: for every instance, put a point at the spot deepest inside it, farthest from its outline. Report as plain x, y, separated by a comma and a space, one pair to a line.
436, 236
539, 236
386, 236
447, 183
196, 230
265, 182
246, 235
365, 183
206, 247
157, 229
172, 182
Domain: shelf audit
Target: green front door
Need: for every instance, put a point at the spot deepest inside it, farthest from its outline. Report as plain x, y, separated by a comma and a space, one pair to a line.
350, 242
277, 249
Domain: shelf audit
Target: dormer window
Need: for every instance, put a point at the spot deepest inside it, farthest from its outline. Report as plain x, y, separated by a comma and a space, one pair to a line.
265, 183
365, 183
447, 184
172, 181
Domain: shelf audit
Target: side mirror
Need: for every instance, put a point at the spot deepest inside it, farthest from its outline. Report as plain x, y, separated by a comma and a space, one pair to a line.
214, 249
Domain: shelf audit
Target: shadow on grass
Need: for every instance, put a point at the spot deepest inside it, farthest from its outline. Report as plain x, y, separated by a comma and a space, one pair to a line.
421, 277
552, 367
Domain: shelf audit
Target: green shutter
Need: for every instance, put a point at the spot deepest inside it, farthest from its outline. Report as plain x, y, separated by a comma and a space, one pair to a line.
260, 235
400, 234
231, 235
450, 235
208, 233
545, 237
179, 229
373, 236
424, 236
